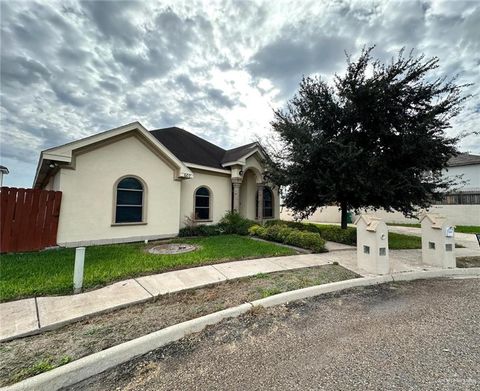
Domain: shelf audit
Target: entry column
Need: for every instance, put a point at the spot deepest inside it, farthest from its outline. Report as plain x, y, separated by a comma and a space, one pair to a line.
260, 187
236, 194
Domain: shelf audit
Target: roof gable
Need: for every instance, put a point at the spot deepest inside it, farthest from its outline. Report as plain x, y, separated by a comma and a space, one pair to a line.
463, 159
64, 154
371, 222
238, 153
436, 220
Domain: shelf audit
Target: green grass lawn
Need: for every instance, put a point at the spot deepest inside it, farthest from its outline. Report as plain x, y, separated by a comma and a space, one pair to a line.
395, 241
464, 229
412, 225
51, 272
403, 242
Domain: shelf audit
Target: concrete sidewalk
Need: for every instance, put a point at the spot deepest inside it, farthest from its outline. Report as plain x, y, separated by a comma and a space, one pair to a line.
30, 316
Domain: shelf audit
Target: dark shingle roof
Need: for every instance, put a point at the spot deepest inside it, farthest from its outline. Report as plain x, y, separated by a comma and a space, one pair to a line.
236, 153
193, 149
464, 159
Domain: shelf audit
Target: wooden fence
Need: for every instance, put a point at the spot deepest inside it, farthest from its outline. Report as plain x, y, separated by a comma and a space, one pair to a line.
461, 198
28, 219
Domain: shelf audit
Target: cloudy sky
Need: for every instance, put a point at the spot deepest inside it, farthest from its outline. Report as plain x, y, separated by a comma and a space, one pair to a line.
73, 68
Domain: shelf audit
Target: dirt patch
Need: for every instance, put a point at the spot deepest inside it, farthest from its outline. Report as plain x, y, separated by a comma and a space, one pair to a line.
25, 357
468, 261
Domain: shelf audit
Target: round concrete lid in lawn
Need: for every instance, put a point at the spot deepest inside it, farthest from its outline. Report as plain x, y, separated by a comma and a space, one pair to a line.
172, 248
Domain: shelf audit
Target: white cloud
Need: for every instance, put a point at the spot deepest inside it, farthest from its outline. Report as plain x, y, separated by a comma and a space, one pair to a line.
70, 69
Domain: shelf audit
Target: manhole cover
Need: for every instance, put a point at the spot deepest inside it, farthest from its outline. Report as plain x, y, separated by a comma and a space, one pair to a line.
172, 248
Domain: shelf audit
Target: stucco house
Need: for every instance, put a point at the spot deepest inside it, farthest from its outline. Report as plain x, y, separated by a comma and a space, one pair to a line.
467, 166
130, 184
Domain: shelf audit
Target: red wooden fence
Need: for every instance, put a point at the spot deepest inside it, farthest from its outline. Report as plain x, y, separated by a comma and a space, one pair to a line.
28, 219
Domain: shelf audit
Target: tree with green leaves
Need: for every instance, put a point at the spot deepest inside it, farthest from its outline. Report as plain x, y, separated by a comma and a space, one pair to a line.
375, 138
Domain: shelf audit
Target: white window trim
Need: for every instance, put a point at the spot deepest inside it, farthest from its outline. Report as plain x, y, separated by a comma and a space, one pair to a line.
210, 204
144, 202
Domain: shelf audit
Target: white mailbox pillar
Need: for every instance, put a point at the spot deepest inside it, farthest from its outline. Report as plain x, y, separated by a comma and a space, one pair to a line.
372, 245
438, 241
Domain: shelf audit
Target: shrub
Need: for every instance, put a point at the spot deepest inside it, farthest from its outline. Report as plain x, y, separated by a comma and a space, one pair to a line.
337, 234
233, 223
309, 240
257, 230
332, 233
253, 230
187, 231
283, 234
201, 230
293, 224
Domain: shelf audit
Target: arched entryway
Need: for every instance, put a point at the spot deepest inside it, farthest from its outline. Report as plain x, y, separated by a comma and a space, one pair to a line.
255, 200
248, 192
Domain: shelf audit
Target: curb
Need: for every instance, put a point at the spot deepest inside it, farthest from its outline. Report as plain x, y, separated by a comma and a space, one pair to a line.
96, 363
311, 291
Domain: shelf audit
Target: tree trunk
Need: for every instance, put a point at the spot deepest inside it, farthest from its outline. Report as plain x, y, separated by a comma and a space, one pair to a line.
343, 206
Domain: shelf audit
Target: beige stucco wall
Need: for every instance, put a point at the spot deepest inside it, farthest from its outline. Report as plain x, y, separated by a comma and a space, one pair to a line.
88, 191
439, 256
220, 186
248, 195
328, 214
372, 261
457, 214
254, 163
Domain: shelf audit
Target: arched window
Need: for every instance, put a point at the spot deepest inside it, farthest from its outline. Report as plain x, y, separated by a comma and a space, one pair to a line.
129, 201
202, 204
267, 203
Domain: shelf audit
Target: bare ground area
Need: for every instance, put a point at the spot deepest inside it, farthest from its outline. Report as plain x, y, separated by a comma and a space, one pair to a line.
422, 335
468, 261
29, 356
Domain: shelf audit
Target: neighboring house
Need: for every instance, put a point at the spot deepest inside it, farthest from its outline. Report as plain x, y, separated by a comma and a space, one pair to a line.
467, 167
461, 206
130, 184
3, 171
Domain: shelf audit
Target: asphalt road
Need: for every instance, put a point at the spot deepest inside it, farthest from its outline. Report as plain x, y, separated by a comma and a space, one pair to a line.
423, 335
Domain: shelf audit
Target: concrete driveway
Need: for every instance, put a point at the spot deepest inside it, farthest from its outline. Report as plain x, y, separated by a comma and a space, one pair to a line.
412, 336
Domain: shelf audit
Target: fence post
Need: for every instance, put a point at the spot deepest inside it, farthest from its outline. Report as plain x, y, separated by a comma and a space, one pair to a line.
78, 271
